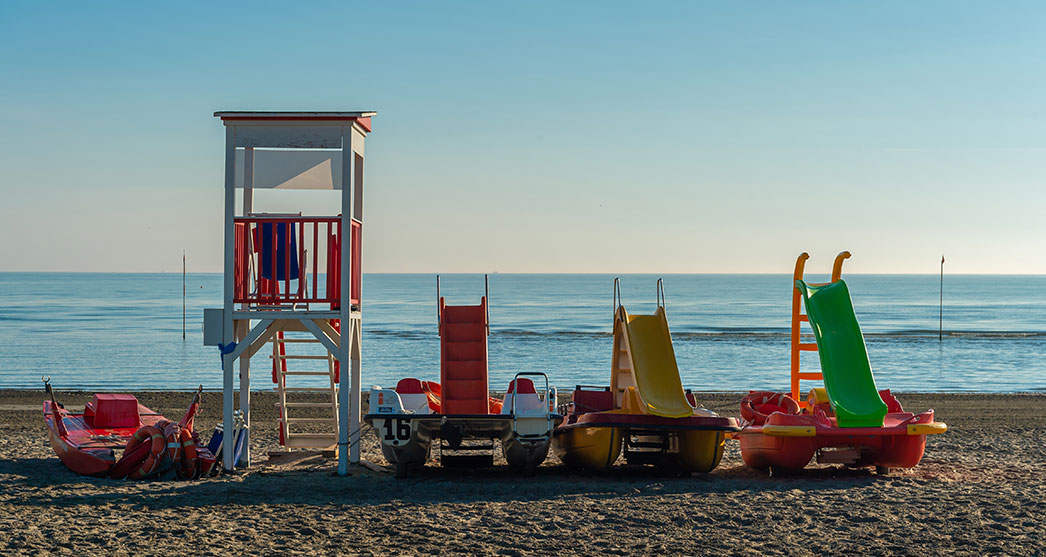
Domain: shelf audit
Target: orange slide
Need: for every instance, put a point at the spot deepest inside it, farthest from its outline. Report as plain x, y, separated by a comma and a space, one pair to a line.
433, 391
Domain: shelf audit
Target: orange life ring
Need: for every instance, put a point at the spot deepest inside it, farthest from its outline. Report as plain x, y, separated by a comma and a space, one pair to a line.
172, 434
189, 461
130, 460
156, 449
758, 405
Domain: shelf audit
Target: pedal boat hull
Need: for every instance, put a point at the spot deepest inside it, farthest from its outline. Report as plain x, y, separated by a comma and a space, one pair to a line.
410, 451
791, 441
594, 440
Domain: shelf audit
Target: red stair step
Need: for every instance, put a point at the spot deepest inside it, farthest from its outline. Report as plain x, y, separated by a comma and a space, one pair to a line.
465, 351
464, 314
464, 332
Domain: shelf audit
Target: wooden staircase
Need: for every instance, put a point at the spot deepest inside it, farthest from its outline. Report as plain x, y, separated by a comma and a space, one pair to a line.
307, 415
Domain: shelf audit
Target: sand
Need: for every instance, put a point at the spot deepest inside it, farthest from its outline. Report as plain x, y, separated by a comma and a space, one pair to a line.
981, 488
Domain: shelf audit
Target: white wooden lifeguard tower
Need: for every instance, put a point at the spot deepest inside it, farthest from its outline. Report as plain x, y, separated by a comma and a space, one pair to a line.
287, 272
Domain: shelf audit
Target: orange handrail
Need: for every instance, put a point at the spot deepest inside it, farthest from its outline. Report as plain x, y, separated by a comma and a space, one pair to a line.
798, 317
837, 267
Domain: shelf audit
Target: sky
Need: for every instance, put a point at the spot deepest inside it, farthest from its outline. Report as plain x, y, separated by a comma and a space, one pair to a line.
689, 137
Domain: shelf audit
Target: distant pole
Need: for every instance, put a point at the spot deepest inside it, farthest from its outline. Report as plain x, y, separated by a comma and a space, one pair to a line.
940, 326
183, 294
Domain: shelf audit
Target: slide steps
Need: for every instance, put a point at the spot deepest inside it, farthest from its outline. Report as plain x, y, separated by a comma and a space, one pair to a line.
470, 453
463, 355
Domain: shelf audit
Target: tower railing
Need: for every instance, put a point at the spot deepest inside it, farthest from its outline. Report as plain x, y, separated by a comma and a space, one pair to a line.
293, 261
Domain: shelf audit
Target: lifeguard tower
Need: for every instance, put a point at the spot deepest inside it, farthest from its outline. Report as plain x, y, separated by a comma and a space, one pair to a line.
292, 280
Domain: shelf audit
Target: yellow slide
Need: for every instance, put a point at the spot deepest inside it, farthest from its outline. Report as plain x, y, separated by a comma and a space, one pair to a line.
644, 359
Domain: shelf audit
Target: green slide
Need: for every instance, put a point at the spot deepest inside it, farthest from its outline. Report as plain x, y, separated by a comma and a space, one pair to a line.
844, 358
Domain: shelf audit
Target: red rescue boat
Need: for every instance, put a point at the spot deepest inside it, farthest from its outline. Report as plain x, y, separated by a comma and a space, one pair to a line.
86, 442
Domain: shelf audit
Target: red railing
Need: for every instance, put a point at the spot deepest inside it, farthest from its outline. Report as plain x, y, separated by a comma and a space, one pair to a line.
278, 260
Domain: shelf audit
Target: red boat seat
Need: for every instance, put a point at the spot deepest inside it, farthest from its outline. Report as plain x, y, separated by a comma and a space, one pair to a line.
410, 386
756, 406
114, 411
523, 398
526, 386
892, 404
415, 398
593, 401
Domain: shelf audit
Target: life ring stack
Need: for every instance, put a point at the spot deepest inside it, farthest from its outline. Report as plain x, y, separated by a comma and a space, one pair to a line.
141, 459
160, 448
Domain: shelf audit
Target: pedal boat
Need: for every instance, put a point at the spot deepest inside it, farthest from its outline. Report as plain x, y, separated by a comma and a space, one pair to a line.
594, 434
777, 434
85, 442
645, 412
848, 421
407, 420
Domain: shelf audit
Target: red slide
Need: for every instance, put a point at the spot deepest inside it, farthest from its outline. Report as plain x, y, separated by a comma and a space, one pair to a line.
463, 358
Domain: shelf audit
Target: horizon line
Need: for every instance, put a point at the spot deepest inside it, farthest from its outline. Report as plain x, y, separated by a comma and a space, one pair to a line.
530, 273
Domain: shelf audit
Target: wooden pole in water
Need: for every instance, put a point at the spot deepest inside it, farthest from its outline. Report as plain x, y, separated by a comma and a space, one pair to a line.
940, 326
183, 294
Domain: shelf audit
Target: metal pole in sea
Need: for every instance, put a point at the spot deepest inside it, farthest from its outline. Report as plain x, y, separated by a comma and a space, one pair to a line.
940, 326
183, 294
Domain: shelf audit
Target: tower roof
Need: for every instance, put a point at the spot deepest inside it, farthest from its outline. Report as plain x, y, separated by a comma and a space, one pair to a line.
361, 117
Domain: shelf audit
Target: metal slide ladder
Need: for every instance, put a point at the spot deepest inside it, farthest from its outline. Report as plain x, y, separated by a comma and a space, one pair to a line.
307, 416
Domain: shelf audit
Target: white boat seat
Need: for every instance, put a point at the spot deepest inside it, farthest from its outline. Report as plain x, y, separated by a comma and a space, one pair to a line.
412, 396
528, 403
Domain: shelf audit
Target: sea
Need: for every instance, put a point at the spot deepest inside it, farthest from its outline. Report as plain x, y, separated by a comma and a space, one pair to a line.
730, 332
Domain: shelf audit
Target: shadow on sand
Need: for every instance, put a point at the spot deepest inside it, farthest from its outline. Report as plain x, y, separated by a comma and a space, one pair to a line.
37, 482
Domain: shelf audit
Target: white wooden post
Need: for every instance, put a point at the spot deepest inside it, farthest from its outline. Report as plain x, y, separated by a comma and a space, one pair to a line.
248, 180
227, 325
347, 429
245, 363
354, 449
356, 355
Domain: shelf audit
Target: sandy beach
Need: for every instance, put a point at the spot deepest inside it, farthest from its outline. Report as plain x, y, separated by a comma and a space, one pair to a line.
980, 489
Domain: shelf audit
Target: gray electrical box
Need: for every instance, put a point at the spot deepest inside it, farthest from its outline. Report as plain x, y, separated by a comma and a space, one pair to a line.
213, 322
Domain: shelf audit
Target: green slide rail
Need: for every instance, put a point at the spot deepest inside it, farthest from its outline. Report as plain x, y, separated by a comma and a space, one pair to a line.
844, 358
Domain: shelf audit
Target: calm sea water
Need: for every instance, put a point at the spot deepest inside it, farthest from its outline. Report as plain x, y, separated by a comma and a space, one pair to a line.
124, 331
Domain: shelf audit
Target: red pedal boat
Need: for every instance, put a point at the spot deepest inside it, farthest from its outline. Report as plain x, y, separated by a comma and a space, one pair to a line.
848, 421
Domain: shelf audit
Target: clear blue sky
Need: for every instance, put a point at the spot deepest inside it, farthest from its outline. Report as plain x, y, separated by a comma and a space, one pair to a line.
544, 137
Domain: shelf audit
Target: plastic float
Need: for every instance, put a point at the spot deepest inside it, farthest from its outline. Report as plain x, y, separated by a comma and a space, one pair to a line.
848, 421
152, 445
458, 412
645, 411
